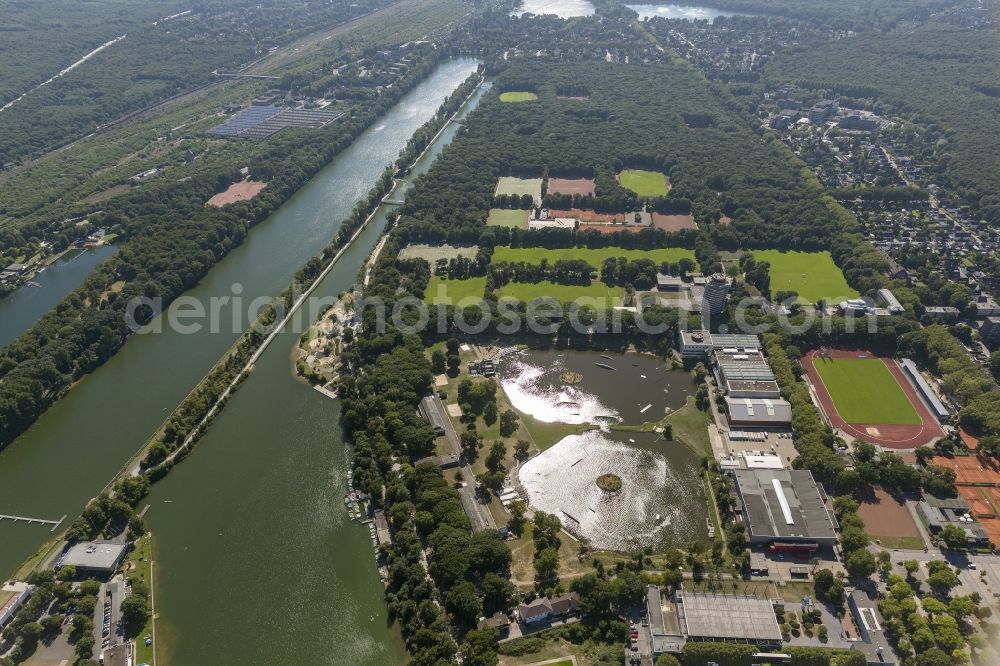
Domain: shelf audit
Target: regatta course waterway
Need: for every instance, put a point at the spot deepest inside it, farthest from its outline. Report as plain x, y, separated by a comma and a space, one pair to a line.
72, 451
258, 560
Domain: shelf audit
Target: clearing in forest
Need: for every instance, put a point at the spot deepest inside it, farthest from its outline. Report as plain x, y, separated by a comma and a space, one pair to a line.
505, 217
644, 183
441, 290
518, 96
519, 187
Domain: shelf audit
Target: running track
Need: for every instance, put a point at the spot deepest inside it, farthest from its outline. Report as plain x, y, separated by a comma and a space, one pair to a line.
889, 436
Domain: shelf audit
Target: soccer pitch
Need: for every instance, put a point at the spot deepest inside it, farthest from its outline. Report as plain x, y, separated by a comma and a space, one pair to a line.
518, 96
520, 186
811, 275
453, 291
504, 217
644, 183
605, 296
593, 256
864, 391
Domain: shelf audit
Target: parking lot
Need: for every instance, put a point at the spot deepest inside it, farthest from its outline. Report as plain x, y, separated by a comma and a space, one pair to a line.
107, 615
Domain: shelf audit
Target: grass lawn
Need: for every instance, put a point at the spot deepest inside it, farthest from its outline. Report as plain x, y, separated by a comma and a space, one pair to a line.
904, 543
812, 275
565, 293
454, 290
518, 96
864, 391
595, 257
546, 434
503, 217
522, 568
138, 561
520, 186
644, 183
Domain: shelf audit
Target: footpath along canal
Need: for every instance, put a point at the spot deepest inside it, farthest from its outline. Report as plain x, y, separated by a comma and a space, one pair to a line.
72, 451
257, 560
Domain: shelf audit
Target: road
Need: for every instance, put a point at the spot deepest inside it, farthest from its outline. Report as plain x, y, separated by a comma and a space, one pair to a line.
478, 513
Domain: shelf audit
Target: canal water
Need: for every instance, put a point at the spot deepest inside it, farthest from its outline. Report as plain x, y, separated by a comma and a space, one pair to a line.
27, 304
570, 386
257, 559
81, 442
661, 502
688, 12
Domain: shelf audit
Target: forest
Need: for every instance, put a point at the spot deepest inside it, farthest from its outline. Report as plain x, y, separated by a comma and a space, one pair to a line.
716, 165
151, 64
940, 75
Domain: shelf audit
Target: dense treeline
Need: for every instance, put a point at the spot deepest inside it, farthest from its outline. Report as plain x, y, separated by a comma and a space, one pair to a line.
156, 61
173, 240
961, 378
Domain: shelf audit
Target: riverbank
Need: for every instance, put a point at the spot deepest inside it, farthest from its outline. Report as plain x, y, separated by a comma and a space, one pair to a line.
280, 501
62, 443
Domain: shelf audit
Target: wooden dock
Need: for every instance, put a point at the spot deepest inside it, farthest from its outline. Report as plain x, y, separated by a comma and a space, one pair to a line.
33, 521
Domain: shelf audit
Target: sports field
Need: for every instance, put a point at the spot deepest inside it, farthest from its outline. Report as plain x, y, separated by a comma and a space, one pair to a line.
521, 186
644, 183
453, 291
504, 217
582, 186
565, 293
593, 256
518, 96
864, 391
812, 275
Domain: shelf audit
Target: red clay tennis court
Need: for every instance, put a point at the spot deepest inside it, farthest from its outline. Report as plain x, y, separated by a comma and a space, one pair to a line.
890, 436
672, 223
583, 186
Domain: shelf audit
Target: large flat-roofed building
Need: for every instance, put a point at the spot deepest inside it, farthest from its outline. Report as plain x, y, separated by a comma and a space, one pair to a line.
937, 514
433, 411
727, 617
744, 373
759, 412
99, 557
700, 344
784, 506
13, 594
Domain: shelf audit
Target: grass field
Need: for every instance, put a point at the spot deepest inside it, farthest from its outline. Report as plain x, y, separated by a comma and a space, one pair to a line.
566, 293
812, 275
864, 391
503, 217
518, 96
520, 186
644, 183
454, 290
595, 257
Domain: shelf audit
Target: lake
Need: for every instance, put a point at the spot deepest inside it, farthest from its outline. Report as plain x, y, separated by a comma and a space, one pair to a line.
632, 388
561, 8
688, 12
661, 502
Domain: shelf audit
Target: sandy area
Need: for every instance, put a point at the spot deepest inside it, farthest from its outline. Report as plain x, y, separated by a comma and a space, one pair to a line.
241, 191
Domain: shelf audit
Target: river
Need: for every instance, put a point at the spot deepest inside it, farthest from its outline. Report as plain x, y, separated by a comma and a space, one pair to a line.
258, 561
29, 303
68, 455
